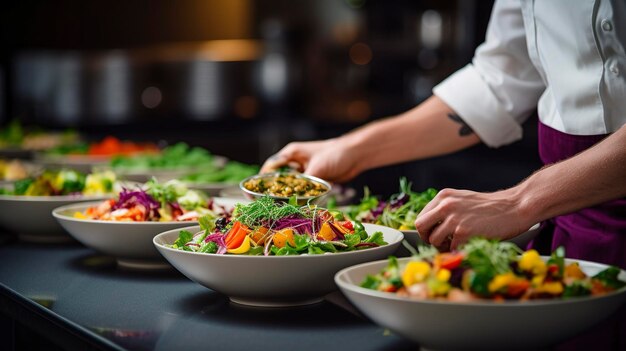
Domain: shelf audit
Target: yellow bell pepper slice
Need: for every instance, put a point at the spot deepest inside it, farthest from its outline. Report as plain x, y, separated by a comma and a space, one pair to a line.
415, 272
243, 248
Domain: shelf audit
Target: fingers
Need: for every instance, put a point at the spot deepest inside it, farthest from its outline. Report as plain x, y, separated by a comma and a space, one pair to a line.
437, 224
273, 163
427, 220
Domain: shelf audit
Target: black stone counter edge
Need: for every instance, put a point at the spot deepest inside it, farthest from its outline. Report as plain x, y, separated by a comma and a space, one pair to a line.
56, 329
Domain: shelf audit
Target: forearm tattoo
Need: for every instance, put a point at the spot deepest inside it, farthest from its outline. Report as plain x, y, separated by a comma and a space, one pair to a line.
465, 129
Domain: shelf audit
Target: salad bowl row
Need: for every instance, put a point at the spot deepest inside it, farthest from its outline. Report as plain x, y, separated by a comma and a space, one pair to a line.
270, 281
130, 242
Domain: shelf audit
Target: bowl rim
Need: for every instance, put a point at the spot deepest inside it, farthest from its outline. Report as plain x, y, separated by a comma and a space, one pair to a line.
342, 283
160, 246
52, 198
56, 213
284, 198
218, 160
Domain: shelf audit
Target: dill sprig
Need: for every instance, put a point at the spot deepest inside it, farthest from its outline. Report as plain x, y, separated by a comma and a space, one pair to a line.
265, 209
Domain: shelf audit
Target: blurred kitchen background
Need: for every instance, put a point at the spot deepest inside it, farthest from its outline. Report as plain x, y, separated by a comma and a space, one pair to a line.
243, 78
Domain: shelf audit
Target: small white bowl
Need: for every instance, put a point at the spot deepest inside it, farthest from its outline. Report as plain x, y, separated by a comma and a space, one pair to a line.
129, 242
482, 325
31, 218
271, 281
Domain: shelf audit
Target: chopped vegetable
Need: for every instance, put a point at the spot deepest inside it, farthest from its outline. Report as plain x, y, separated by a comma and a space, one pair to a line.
493, 270
270, 228
399, 211
63, 182
171, 201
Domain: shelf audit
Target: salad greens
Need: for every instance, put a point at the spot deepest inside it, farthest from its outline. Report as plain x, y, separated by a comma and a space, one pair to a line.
399, 211
63, 182
266, 227
170, 201
488, 269
15, 134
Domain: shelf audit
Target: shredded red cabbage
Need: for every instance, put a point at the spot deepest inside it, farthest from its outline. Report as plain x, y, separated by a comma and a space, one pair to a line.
300, 225
217, 238
176, 207
130, 198
398, 201
379, 209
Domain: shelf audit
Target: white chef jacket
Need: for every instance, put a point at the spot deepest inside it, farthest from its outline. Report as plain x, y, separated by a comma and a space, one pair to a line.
564, 58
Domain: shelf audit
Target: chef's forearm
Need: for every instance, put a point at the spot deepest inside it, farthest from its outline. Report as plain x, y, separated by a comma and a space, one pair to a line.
430, 129
589, 178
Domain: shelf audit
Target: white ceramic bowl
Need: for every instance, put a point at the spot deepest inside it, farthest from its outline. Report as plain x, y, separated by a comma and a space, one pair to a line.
129, 242
271, 281
142, 175
414, 239
216, 189
31, 216
480, 325
81, 163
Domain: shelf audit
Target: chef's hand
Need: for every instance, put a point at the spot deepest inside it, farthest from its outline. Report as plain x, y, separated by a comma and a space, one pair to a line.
454, 216
327, 159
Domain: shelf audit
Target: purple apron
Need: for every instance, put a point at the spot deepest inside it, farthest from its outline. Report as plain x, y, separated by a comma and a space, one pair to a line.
596, 233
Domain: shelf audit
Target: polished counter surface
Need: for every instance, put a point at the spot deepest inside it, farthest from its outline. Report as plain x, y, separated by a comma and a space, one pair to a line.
68, 297
77, 299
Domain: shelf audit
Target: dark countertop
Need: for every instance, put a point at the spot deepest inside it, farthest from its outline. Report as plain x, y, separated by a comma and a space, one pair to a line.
58, 297
78, 299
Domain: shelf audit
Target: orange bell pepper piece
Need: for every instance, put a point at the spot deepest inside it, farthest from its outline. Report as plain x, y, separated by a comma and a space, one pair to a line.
284, 236
236, 235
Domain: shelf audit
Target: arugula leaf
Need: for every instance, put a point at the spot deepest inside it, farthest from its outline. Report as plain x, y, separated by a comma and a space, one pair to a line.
184, 237
21, 186
325, 246
352, 239
255, 251
207, 223
302, 242
577, 288
360, 229
293, 201
210, 247
284, 251
371, 282
376, 238
609, 277
315, 250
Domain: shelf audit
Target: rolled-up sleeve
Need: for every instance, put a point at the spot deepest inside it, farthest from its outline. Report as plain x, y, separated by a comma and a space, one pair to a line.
497, 92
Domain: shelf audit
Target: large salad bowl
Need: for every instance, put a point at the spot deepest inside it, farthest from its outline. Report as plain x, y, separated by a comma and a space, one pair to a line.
129, 242
271, 281
31, 216
479, 325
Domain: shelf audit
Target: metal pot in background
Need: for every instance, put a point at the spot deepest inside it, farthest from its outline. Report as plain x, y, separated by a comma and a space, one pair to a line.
206, 81
199, 81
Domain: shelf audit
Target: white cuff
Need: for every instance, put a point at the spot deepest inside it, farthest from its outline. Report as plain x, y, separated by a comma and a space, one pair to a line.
471, 98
